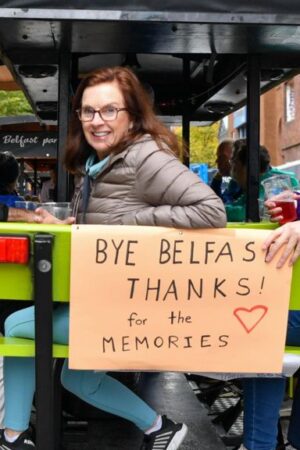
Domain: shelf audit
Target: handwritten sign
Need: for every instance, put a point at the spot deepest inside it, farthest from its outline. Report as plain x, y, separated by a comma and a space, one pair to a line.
151, 298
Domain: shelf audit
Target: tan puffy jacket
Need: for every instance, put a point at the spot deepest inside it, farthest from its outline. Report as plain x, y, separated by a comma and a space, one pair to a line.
146, 186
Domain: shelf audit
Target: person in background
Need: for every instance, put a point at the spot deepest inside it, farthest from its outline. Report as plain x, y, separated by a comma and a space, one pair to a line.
263, 396
48, 191
236, 210
222, 183
11, 214
9, 173
126, 173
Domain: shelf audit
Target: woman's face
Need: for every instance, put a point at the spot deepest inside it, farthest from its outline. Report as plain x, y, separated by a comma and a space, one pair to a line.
101, 134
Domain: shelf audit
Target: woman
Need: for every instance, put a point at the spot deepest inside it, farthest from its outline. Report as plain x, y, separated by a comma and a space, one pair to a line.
263, 396
126, 172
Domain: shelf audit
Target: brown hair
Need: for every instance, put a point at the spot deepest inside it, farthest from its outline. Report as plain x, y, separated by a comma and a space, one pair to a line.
139, 106
225, 143
240, 154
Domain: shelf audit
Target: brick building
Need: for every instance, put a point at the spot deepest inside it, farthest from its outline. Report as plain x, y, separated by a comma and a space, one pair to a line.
279, 122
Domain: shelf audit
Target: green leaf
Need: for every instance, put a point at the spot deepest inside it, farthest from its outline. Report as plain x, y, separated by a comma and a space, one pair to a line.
14, 103
203, 143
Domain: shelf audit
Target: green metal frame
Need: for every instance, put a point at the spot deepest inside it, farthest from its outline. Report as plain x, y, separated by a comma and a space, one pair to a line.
16, 280
10, 346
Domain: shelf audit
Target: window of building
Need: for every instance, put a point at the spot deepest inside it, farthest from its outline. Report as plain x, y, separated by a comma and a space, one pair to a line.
290, 106
242, 131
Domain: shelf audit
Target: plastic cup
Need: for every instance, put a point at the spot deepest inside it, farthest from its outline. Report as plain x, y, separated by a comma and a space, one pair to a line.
278, 189
60, 210
48, 206
288, 210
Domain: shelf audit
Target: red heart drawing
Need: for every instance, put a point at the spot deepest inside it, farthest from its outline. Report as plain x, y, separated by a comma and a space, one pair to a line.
251, 317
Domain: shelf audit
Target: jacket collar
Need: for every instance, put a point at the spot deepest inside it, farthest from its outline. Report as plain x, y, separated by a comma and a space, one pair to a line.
122, 155
115, 157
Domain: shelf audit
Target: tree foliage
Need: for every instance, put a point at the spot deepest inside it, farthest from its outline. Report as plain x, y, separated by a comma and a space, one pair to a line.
203, 143
13, 103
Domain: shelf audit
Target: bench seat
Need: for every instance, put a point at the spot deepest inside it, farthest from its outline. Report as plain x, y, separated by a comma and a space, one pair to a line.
11, 346
294, 350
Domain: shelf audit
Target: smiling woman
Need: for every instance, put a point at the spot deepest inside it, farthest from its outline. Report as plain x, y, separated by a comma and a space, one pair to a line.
126, 172
112, 123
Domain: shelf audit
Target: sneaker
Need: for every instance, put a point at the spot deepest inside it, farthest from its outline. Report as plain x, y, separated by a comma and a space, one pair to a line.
169, 437
22, 443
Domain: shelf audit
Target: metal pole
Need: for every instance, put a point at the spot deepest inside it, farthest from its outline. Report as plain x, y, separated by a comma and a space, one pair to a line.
22, 178
253, 138
43, 341
63, 112
185, 116
35, 176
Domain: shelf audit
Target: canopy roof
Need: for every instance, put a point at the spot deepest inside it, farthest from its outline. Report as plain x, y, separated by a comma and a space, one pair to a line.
219, 6
212, 39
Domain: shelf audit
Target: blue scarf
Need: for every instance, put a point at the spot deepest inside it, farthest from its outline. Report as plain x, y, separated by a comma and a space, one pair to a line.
94, 168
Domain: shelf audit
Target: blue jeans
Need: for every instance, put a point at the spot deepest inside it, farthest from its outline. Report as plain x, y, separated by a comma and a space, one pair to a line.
262, 401
96, 388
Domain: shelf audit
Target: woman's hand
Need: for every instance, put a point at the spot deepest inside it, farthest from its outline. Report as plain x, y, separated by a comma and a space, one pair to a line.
43, 216
289, 235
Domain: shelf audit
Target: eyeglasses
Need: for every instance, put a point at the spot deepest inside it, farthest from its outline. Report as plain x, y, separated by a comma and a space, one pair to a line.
108, 113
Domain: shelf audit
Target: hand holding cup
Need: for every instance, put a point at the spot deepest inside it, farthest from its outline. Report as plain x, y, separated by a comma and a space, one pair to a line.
46, 217
281, 200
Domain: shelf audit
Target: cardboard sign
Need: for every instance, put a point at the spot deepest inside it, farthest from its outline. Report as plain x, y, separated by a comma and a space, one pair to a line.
152, 298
